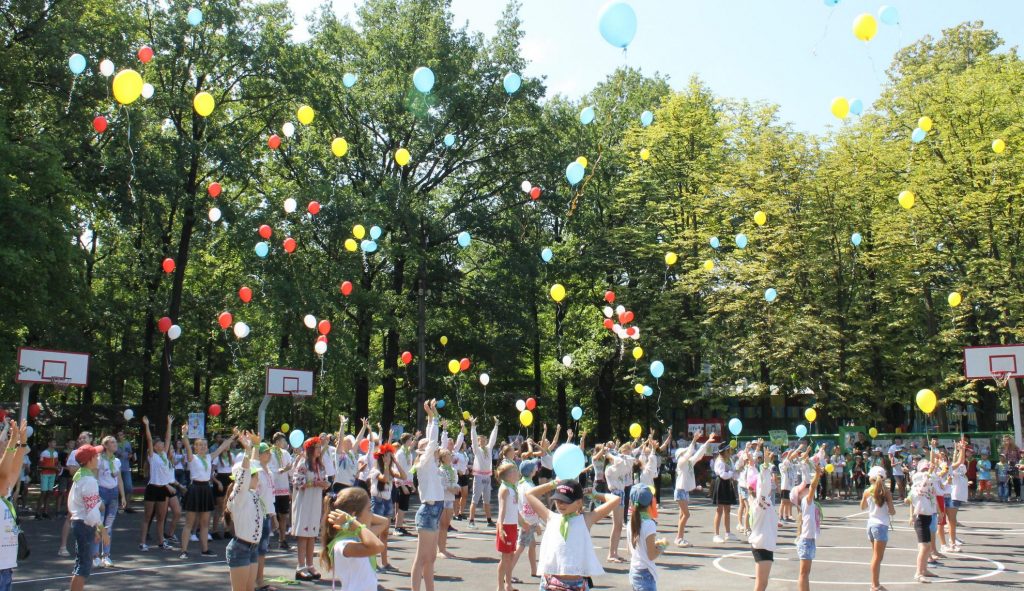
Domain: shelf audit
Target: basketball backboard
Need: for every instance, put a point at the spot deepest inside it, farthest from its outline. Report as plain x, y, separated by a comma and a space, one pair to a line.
61, 368
283, 381
994, 362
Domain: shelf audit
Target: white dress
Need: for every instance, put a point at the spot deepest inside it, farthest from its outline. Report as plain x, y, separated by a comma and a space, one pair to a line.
307, 508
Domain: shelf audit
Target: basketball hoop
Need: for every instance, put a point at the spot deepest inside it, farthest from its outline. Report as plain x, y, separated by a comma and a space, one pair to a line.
1002, 378
59, 383
297, 393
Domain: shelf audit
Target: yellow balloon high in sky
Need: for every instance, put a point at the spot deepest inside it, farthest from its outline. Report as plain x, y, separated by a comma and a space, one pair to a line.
810, 414
926, 401
558, 292
760, 218
638, 352
999, 146
305, 114
635, 430
638, 388
925, 123
671, 258
645, 154
954, 299
350, 245
907, 199
840, 107
709, 265
203, 104
358, 231
865, 27
127, 86
402, 157
526, 418
339, 147
444, 340
453, 366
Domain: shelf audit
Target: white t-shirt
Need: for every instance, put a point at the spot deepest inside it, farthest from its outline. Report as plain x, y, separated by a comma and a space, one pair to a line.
199, 468
405, 458
922, 494
649, 473
618, 472
809, 522
378, 488
512, 500
638, 559
724, 469
764, 529
878, 515
459, 462
160, 470
281, 484
347, 466
8, 537
104, 475
330, 458
959, 492
354, 574
223, 463
529, 515
787, 472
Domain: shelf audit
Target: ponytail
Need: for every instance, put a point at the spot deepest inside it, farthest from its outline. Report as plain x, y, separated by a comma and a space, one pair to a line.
635, 521
878, 491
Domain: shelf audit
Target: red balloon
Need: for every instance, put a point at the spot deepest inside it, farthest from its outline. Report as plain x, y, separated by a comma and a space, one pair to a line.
346, 288
535, 193
324, 327
608, 323
321, 339
3, 414
168, 265
164, 324
274, 142
464, 364
214, 410
99, 123
245, 294
265, 231
224, 320
214, 189
364, 445
313, 207
407, 357
631, 331
289, 245
627, 317
609, 296
531, 404
145, 54
34, 409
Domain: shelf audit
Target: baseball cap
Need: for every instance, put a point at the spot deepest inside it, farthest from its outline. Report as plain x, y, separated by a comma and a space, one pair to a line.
264, 448
527, 468
236, 470
876, 472
85, 453
568, 491
641, 496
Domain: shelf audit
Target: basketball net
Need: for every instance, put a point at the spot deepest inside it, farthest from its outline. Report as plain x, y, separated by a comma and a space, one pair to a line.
1002, 378
60, 383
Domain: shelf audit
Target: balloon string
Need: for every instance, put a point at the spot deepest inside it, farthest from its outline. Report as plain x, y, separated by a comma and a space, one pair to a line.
71, 92
828, 21
657, 413
871, 60
131, 153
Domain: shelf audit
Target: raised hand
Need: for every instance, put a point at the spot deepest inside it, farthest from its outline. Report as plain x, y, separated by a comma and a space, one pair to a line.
184, 430
145, 421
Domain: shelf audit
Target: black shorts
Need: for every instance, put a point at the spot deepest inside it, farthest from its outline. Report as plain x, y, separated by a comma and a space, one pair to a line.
785, 494
923, 529
400, 498
601, 486
156, 493
282, 504
465, 480
762, 555
225, 481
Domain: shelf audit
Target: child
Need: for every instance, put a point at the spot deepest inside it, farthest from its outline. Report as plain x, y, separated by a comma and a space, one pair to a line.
483, 447
763, 522
428, 516
787, 476
199, 501
566, 548
922, 511
508, 519
382, 481
309, 480
619, 474
111, 491
877, 500
49, 465
984, 478
743, 461
810, 526
1003, 478
350, 555
531, 523
724, 495
686, 482
959, 492
450, 482
644, 545
248, 514
86, 515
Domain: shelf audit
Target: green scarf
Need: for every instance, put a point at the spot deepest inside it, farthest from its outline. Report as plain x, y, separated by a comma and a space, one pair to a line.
347, 535
563, 527
110, 462
450, 473
10, 507
164, 458
205, 461
82, 472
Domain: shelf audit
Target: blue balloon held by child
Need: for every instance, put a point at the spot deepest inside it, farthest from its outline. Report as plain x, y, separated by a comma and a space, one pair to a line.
568, 461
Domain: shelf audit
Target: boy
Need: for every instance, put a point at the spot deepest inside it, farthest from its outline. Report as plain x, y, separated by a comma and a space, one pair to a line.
49, 465
84, 509
1003, 477
984, 477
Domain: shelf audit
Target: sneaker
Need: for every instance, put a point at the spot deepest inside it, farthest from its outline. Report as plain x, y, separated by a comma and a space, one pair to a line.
452, 529
106, 562
96, 562
284, 544
490, 523
719, 540
472, 525
955, 548
193, 538
63, 553
143, 548
183, 556
207, 553
173, 539
686, 544
731, 537
165, 546
209, 537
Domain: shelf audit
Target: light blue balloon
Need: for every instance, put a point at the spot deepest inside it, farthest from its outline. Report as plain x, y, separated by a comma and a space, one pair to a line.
76, 63
262, 250
577, 413
889, 15
770, 294
735, 426
375, 232
715, 242
512, 82
831, 3
449, 140
574, 173
857, 107
801, 431
423, 79
464, 239
741, 241
349, 80
646, 118
195, 16
617, 24
368, 246
657, 369
440, 403
918, 135
587, 116
856, 239
296, 437
546, 255
648, 391
568, 461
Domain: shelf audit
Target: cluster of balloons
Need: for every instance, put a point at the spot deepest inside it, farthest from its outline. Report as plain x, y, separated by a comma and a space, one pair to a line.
620, 328
457, 365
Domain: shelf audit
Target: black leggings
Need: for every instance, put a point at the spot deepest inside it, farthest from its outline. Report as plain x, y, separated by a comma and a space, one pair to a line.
1013, 482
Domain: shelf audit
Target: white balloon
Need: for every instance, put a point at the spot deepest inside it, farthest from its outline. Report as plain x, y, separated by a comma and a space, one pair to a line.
174, 332
288, 129
29, 431
636, 335
214, 214
620, 310
520, 405
107, 68
128, 414
147, 90
485, 379
290, 205
320, 347
309, 320
608, 311
567, 361
526, 186
241, 330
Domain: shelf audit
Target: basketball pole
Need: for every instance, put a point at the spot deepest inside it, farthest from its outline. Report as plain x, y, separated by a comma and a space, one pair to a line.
23, 412
1014, 409
263, 415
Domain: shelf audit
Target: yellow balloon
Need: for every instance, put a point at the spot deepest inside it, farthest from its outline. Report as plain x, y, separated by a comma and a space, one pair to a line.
925, 123
453, 366
645, 154
558, 292
954, 299
402, 157
734, 444
760, 218
926, 401
638, 352
638, 388
203, 104
305, 114
635, 430
671, 258
339, 146
865, 27
285, 427
907, 199
350, 245
526, 418
810, 414
583, 161
999, 146
358, 231
840, 107
127, 86
709, 265
872, 432
465, 415
444, 340
829, 468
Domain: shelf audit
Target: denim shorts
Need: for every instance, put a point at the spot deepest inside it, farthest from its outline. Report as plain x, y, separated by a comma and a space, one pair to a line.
744, 493
428, 516
382, 507
265, 538
85, 544
242, 554
642, 580
526, 536
878, 533
934, 526
806, 548
449, 504
682, 495
954, 504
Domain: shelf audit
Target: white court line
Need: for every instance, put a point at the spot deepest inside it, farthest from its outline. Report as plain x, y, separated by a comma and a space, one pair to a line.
122, 571
854, 515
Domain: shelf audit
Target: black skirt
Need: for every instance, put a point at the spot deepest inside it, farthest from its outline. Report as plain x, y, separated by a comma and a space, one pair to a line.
724, 492
199, 498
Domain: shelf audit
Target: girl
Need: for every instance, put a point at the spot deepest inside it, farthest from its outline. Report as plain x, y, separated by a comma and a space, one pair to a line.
877, 500
49, 466
958, 472
922, 510
744, 460
199, 496
763, 520
787, 477
450, 482
619, 473
724, 494
222, 464
531, 523
508, 520
810, 526
248, 514
280, 466
644, 545
382, 483
650, 462
460, 461
13, 449
111, 493
428, 516
309, 480
567, 556
482, 466
686, 482
350, 555
86, 514
160, 477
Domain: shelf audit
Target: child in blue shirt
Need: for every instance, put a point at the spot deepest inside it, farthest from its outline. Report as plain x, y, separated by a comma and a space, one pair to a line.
984, 468
1003, 478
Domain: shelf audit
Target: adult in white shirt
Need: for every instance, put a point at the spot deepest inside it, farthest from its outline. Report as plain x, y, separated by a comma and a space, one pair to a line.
763, 520
686, 481
483, 463
199, 502
280, 466
958, 495
619, 473
724, 494
111, 491
161, 475
428, 517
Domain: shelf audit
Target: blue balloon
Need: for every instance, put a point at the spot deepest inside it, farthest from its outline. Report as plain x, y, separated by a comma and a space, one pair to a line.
546, 254
423, 79
735, 426
375, 232
449, 140
657, 369
715, 242
512, 82
296, 437
646, 118
918, 135
741, 241
587, 116
831, 3
440, 404
801, 430
76, 63
464, 239
574, 173
857, 107
648, 391
856, 239
617, 24
349, 80
195, 16
368, 246
577, 413
262, 250
889, 15
568, 461
770, 294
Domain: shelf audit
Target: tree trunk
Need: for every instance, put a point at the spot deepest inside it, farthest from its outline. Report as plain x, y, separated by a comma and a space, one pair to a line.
391, 352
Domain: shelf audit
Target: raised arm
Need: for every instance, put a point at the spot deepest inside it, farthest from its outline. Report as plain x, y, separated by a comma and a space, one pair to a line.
13, 456
554, 440
461, 439
342, 422
664, 444
534, 498
224, 445
149, 437
169, 446
494, 436
247, 440
185, 443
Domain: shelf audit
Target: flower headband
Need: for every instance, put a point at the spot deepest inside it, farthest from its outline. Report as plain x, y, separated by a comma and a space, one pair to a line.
383, 450
310, 443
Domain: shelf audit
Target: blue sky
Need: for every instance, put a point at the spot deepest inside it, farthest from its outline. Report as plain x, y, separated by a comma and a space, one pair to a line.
799, 54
